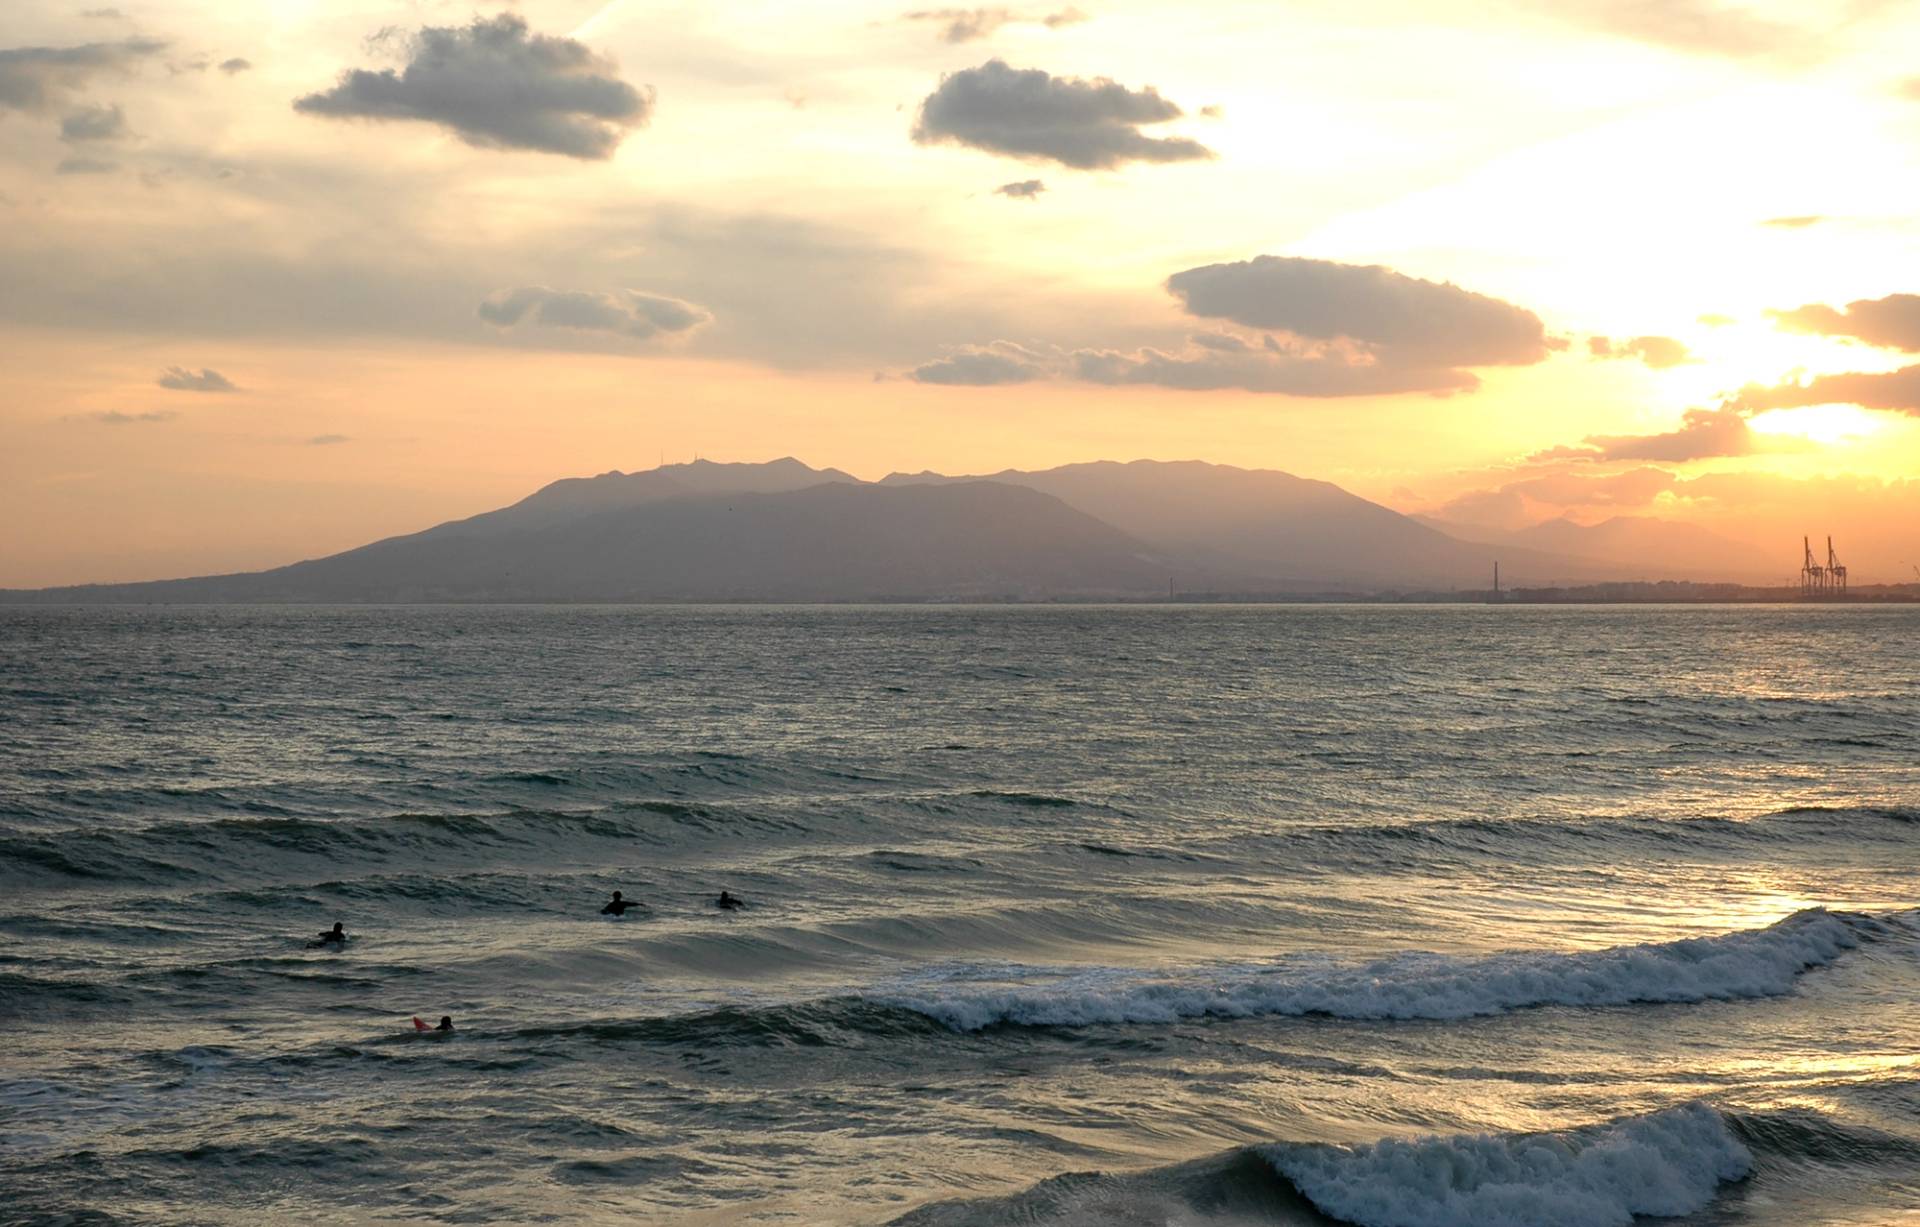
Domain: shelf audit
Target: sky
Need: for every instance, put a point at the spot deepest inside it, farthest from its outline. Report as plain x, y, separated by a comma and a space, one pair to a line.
277, 279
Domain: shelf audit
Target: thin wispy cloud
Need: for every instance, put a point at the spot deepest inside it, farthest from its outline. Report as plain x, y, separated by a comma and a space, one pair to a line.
628, 313
114, 417
965, 25
1892, 322
1657, 352
180, 379
36, 79
1703, 434
94, 123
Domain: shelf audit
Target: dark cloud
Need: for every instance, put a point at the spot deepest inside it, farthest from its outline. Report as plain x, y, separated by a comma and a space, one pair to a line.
180, 379
1025, 189
628, 313
85, 166
966, 25
326, 440
236, 64
94, 123
1340, 330
1027, 113
1794, 223
1657, 352
1394, 332
1003, 362
496, 86
1892, 322
36, 78
1897, 391
1703, 433
103, 14
113, 417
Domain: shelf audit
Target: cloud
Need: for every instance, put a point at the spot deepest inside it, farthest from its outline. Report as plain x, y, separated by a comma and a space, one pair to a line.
113, 417
1714, 320
326, 440
85, 166
1892, 322
1703, 433
1520, 502
34, 79
496, 86
966, 25
627, 313
1025, 189
94, 123
103, 14
180, 379
1214, 366
1383, 319
1003, 362
1896, 391
1027, 113
1701, 27
1794, 223
236, 64
1336, 330
1657, 352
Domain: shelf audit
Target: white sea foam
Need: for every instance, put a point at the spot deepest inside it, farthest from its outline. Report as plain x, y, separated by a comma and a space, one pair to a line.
1667, 1163
1751, 963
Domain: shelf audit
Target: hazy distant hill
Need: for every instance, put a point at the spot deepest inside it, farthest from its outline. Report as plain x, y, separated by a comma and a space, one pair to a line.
785, 531
1636, 547
1291, 531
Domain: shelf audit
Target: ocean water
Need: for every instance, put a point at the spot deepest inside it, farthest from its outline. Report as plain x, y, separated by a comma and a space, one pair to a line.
1401, 917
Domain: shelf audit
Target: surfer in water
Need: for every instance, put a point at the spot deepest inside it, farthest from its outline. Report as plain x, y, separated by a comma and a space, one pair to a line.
336, 936
446, 1024
727, 902
618, 906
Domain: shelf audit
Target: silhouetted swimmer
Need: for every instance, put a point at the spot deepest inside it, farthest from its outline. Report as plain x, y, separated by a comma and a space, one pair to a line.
619, 906
446, 1024
728, 903
336, 936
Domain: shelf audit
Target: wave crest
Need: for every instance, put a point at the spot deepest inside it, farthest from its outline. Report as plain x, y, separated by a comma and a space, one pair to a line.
1751, 963
1667, 1163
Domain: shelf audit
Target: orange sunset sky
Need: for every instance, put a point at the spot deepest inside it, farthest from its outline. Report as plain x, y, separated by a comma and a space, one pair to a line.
277, 279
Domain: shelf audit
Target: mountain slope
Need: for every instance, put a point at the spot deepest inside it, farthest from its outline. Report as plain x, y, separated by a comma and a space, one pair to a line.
1634, 547
831, 541
1289, 531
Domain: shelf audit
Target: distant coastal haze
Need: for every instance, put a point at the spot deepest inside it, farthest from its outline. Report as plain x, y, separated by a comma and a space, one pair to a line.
785, 531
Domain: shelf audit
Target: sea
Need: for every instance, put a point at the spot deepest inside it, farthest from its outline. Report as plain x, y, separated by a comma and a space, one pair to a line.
1395, 916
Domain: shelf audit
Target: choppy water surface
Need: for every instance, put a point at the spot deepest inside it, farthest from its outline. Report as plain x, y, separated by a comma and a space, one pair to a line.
1411, 917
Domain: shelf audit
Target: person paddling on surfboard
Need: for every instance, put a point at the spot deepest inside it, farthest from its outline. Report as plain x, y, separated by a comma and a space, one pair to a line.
727, 902
618, 906
336, 936
446, 1024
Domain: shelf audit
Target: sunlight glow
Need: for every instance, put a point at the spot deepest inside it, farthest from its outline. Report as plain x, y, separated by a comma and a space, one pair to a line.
1820, 423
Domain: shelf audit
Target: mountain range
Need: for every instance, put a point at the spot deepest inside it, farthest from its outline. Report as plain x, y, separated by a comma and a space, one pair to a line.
783, 531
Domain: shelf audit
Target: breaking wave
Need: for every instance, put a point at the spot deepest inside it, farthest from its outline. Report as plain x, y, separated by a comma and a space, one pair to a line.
1664, 1164
1750, 963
